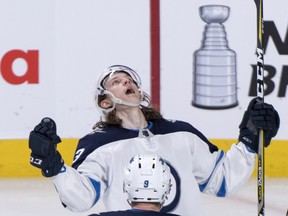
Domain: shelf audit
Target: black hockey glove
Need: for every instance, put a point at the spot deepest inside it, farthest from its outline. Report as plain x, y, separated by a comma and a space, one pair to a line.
258, 115
42, 142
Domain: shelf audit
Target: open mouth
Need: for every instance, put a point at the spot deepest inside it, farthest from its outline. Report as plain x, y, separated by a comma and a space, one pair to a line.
130, 91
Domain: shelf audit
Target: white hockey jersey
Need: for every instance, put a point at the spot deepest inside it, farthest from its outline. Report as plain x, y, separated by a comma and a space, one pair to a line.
196, 166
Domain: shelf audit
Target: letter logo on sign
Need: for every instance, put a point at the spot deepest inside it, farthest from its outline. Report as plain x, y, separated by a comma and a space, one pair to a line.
31, 58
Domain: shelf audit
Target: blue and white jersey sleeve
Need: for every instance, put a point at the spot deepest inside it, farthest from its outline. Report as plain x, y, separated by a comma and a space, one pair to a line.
77, 192
228, 171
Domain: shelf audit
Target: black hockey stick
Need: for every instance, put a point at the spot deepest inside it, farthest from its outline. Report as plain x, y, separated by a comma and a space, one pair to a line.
260, 95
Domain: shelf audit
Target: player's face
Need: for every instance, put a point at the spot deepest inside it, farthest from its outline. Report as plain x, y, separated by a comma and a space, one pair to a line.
122, 86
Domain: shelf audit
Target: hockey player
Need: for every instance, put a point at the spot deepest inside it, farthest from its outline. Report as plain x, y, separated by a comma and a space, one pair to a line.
147, 182
130, 126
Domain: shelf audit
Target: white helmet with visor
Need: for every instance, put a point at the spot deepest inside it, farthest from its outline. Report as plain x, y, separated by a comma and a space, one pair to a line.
101, 89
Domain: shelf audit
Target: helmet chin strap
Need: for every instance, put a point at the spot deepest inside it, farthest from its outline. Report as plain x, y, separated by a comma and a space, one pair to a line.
122, 102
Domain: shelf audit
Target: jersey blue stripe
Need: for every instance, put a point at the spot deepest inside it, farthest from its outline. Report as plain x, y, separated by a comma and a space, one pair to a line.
203, 186
222, 190
96, 186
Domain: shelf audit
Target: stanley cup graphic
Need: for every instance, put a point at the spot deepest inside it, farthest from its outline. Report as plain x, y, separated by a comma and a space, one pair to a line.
215, 82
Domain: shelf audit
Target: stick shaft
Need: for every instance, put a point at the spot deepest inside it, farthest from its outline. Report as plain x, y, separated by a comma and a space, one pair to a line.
261, 175
260, 95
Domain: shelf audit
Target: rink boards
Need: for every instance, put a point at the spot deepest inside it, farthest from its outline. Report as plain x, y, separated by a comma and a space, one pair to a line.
15, 155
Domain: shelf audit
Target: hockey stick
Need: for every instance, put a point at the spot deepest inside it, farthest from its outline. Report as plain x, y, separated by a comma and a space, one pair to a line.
260, 95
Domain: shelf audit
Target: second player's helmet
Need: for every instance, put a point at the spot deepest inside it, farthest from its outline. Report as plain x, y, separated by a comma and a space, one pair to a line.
147, 178
101, 89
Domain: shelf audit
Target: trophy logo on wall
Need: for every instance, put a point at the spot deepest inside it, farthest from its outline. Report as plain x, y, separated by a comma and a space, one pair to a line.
215, 77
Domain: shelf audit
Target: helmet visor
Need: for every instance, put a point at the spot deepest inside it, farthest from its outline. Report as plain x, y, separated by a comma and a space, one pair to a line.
109, 72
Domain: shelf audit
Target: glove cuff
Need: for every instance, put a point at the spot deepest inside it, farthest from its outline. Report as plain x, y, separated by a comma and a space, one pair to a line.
249, 139
55, 167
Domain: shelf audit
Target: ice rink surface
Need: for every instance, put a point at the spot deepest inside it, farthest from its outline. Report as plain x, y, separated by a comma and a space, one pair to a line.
38, 197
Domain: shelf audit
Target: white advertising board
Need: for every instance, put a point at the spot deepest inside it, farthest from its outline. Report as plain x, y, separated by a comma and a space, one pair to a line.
52, 51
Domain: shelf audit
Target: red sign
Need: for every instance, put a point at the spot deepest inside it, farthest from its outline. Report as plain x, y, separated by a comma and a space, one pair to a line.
31, 76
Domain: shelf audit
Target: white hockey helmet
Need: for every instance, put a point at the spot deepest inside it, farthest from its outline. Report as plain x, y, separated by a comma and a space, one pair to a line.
147, 178
101, 89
